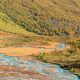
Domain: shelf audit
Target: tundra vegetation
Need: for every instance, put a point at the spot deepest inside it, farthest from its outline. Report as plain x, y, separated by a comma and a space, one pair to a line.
44, 21
68, 59
48, 17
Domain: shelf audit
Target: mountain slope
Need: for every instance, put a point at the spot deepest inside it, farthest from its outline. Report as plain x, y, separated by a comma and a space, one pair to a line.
42, 17
9, 26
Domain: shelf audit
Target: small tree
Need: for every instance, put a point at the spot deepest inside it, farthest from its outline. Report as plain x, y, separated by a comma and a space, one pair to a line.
33, 0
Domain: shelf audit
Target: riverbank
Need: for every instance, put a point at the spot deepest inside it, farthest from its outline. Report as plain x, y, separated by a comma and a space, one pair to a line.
41, 51
31, 49
68, 59
20, 69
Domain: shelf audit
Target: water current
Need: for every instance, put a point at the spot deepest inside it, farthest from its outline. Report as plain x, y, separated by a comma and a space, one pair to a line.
54, 71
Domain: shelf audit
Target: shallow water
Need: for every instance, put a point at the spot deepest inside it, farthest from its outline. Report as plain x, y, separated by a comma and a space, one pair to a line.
55, 72
62, 45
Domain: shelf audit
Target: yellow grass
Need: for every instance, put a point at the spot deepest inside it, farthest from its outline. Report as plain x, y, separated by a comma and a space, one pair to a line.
29, 50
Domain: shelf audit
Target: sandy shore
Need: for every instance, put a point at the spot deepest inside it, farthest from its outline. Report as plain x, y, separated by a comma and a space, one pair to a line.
29, 50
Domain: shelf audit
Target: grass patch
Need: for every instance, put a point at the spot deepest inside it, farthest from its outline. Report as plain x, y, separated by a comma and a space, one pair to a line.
10, 27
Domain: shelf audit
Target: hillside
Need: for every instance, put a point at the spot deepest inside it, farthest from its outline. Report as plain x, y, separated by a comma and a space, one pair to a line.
9, 26
48, 17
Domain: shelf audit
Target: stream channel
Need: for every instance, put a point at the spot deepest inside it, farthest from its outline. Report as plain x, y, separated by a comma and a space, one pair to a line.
53, 71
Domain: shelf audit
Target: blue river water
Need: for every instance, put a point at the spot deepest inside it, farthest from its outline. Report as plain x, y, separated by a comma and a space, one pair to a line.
54, 71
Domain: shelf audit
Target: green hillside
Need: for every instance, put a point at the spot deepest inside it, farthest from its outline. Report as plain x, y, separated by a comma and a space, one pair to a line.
45, 17
9, 26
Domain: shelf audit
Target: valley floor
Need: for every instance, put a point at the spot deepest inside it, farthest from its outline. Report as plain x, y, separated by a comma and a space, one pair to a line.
29, 49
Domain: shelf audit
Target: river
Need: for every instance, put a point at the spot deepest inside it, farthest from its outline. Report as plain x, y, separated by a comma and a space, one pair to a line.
53, 71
